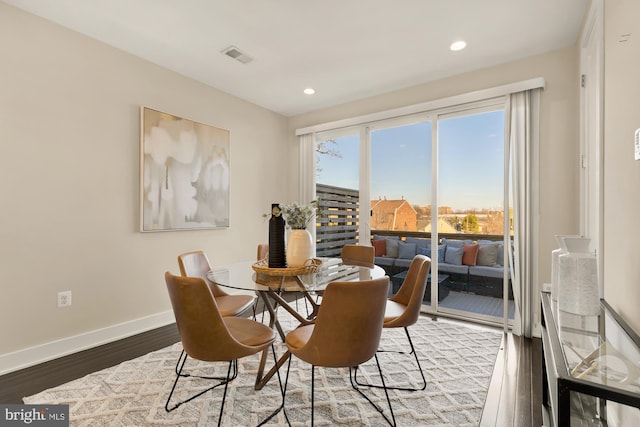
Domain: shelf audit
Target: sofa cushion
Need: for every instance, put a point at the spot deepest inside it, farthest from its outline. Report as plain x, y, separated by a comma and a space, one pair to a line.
488, 254
455, 243
380, 247
451, 268
469, 254
420, 242
406, 250
392, 247
384, 261
484, 271
402, 262
453, 255
378, 237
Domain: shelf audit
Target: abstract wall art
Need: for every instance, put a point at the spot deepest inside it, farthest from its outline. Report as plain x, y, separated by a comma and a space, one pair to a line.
184, 173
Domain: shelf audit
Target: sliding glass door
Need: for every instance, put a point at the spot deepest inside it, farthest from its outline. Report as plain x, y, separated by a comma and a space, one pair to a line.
400, 188
431, 184
471, 213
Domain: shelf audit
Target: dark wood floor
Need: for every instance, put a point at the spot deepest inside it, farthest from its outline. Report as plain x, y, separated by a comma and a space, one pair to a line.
514, 397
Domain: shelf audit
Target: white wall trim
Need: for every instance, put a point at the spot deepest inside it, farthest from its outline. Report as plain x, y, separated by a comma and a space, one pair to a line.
31, 356
478, 95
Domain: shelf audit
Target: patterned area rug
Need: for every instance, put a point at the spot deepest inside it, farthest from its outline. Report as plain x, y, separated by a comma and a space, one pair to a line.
457, 361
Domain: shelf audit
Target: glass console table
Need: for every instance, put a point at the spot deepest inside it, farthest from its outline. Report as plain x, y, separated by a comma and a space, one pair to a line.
591, 368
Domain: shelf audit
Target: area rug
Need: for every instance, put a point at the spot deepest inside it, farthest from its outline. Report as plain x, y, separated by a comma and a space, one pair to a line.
457, 361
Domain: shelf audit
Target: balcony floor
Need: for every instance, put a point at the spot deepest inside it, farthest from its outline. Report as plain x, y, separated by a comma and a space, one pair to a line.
478, 304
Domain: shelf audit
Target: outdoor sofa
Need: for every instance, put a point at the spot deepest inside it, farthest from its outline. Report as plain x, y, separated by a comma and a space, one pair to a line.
473, 266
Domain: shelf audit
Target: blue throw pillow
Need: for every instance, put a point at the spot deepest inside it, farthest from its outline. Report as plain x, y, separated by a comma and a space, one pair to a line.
406, 250
424, 251
427, 252
453, 255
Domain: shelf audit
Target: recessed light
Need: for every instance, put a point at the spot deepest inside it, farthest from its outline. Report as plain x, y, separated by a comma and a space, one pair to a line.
309, 91
459, 45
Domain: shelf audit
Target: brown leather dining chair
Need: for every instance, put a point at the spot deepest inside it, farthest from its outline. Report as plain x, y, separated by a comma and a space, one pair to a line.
196, 264
403, 310
356, 255
208, 336
263, 251
359, 255
346, 332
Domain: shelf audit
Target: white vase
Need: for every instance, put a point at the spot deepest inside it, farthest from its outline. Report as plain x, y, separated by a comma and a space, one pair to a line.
578, 291
300, 248
555, 254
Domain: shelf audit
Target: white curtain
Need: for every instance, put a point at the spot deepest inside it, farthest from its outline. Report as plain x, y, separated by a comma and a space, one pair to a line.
523, 158
307, 174
307, 190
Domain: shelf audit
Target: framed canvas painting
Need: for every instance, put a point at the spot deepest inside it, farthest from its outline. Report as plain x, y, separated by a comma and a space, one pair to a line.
184, 173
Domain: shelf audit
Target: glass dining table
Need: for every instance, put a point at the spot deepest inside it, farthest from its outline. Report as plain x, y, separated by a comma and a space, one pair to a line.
273, 289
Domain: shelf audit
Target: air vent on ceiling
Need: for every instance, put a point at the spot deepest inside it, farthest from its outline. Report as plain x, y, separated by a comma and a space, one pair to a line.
237, 54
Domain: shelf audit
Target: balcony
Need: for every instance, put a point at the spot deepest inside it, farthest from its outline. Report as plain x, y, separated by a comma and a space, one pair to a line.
476, 289
462, 286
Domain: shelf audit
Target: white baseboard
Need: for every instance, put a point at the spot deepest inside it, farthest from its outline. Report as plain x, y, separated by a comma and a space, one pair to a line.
31, 356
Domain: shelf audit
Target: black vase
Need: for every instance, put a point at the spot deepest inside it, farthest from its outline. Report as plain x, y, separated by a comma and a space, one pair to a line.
277, 257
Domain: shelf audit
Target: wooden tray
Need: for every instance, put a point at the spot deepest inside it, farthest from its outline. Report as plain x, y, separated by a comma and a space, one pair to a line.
311, 266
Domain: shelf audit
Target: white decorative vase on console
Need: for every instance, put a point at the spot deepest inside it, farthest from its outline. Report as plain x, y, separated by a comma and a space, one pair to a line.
300, 248
578, 291
555, 271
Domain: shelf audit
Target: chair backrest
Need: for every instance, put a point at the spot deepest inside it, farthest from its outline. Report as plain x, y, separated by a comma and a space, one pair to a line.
349, 324
411, 292
202, 329
196, 264
362, 256
263, 251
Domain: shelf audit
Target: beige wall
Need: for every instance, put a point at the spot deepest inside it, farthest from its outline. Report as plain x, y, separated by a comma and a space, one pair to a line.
621, 171
559, 137
69, 167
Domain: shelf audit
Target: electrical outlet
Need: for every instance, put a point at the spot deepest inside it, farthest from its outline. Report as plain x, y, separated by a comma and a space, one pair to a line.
64, 299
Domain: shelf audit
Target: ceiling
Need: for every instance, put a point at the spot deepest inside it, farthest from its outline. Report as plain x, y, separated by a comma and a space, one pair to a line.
345, 49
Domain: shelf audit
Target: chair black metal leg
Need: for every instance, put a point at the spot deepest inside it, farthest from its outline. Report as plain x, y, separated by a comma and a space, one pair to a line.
255, 311
313, 382
392, 421
179, 375
224, 394
282, 391
415, 355
204, 377
178, 363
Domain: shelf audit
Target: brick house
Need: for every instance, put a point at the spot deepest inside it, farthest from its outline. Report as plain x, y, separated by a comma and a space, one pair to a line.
393, 215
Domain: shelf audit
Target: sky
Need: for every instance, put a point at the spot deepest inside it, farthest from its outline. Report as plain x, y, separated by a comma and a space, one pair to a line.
470, 159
